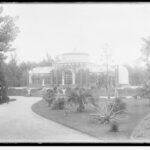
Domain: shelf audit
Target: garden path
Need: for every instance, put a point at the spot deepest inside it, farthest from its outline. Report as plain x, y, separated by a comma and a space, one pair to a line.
18, 123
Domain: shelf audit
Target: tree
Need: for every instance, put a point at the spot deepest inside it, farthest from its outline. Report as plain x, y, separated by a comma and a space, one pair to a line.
146, 58
17, 74
81, 97
24, 68
137, 75
8, 33
146, 55
12, 72
107, 61
102, 80
48, 61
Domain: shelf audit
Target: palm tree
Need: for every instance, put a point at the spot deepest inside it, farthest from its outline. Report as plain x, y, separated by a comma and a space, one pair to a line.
81, 97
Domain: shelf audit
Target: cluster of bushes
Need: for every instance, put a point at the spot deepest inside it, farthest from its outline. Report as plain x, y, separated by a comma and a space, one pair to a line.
58, 104
53, 100
80, 98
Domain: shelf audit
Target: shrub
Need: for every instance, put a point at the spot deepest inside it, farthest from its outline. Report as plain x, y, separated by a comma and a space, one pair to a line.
118, 105
104, 114
58, 104
107, 113
49, 97
114, 126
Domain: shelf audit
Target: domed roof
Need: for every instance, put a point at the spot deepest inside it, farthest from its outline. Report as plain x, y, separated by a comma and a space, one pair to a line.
74, 53
73, 58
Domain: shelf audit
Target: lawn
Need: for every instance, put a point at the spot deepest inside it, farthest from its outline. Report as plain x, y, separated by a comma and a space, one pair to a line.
84, 122
142, 131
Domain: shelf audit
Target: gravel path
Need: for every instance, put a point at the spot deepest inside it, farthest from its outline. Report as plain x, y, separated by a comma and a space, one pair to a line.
18, 123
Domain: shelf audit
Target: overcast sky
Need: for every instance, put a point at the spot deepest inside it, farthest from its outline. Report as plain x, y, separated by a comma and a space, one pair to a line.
58, 28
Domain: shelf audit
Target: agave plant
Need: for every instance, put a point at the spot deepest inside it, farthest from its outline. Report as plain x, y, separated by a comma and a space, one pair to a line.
106, 114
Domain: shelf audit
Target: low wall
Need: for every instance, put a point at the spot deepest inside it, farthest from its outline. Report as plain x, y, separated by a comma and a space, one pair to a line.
128, 92
17, 91
23, 91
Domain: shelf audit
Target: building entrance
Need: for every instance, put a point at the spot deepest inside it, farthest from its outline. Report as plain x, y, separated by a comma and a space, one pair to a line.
68, 77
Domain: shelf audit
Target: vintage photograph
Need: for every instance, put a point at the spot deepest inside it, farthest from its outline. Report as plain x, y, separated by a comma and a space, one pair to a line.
74, 72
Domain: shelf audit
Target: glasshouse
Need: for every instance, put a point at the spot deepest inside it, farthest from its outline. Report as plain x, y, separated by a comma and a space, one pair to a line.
68, 69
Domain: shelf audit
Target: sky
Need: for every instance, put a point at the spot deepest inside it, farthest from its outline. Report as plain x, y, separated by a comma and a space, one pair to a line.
58, 28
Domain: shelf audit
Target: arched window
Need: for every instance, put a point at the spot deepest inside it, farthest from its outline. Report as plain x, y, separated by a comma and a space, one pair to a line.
68, 77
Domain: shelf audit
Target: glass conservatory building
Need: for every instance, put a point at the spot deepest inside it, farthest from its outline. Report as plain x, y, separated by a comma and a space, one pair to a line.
69, 69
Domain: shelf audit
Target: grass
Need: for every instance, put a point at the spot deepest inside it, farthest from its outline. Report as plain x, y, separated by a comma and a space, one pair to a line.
84, 122
142, 131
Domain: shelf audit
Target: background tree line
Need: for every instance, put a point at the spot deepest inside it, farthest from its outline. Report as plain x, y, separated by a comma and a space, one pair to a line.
16, 75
